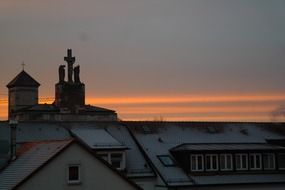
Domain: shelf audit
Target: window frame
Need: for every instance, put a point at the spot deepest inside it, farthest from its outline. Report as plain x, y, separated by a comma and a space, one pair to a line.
196, 163
211, 157
226, 162
241, 161
109, 158
161, 157
283, 168
255, 156
77, 181
264, 160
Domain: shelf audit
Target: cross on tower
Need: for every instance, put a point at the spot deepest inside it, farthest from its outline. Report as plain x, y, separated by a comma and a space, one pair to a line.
70, 61
23, 65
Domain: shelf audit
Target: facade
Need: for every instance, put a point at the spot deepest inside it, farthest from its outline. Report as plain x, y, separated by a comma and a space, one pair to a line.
60, 165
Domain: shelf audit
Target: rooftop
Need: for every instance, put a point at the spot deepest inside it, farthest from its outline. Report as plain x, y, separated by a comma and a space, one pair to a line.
23, 79
30, 157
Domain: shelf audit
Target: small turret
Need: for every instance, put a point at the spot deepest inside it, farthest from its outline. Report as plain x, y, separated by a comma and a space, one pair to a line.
23, 92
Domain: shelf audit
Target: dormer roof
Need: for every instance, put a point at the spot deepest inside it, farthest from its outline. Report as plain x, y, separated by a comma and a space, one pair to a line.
23, 79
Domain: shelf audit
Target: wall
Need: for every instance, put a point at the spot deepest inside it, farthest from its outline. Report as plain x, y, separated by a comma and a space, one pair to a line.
94, 174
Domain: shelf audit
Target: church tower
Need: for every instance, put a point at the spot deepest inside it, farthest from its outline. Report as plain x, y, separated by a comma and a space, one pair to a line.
23, 92
69, 94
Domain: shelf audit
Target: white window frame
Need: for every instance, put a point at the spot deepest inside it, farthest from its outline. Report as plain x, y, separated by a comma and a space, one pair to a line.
241, 161
195, 156
283, 154
272, 155
109, 158
226, 162
78, 181
255, 156
211, 159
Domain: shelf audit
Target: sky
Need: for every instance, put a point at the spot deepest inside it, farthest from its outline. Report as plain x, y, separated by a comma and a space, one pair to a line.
214, 60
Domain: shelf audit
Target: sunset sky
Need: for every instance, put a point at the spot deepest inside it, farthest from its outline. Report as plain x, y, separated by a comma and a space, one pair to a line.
218, 60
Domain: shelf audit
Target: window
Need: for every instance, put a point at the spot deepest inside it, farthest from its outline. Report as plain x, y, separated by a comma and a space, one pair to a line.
281, 161
241, 161
211, 162
116, 159
166, 160
104, 156
197, 162
269, 161
73, 174
255, 161
226, 162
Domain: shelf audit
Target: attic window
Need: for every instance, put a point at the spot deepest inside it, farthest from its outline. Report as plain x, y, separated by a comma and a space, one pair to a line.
73, 174
241, 162
197, 162
226, 162
281, 161
211, 162
166, 160
269, 161
116, 159
255, 161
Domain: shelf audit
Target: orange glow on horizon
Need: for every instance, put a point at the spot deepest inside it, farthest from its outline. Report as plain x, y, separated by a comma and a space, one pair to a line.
183, 99
171, 108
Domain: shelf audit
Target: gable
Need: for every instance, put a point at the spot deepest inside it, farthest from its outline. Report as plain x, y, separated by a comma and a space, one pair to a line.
94, 173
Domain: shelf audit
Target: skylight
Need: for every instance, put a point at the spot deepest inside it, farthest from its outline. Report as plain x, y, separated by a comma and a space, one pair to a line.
166, 160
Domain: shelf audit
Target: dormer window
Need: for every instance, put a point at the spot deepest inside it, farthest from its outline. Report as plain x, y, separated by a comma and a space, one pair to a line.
281, 161
269, 161
211, 162
197, 162
241, 162
255, 161
226, 162
116, 159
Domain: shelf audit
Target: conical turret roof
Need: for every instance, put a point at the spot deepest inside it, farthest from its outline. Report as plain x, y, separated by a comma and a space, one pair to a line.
23, 79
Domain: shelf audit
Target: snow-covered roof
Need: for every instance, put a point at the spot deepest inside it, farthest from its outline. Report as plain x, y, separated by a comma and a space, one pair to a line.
226, 147
34, 131
97, 138
158, 138
102, 134
136, 165
31, 156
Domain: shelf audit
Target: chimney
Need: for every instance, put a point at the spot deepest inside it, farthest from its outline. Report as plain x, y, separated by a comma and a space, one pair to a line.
13, 130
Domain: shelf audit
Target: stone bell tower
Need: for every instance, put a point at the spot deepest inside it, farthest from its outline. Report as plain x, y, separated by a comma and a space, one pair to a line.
23, 92
69, 94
